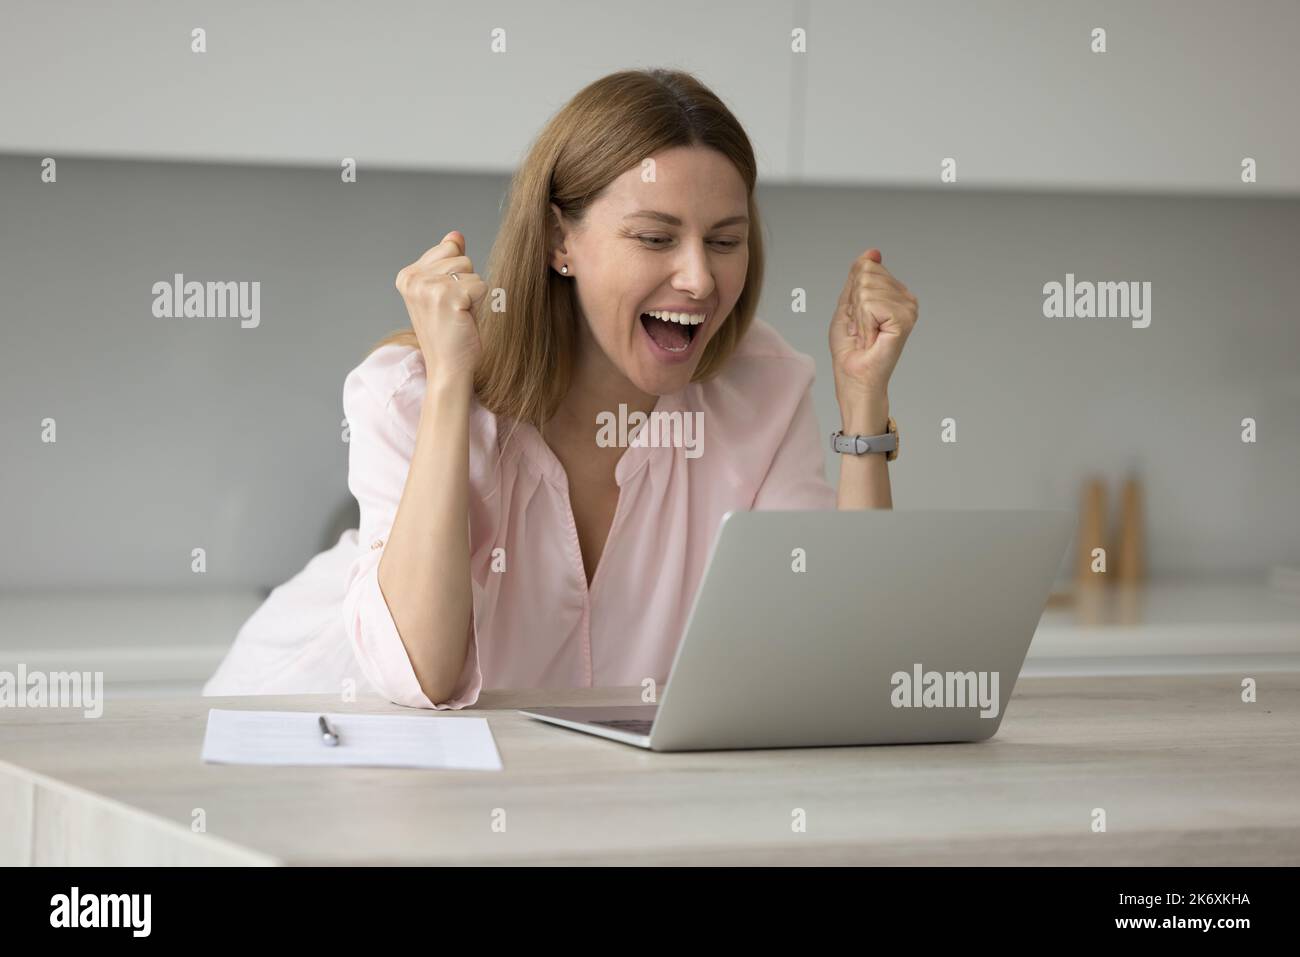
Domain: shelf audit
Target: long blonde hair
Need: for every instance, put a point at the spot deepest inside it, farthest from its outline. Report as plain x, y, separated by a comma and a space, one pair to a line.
609, 127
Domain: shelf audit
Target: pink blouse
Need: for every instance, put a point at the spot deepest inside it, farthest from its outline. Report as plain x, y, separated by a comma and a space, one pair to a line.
537, 624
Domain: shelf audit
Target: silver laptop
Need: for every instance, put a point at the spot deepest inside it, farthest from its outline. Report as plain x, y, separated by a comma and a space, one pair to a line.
822, 628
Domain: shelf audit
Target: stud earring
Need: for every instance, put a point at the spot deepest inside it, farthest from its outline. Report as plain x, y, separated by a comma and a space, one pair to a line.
564, 269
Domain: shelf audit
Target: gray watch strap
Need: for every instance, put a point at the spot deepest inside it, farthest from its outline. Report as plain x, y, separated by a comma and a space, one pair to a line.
862, 444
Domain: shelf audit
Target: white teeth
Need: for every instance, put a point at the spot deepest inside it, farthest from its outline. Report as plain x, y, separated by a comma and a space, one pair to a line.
685, 318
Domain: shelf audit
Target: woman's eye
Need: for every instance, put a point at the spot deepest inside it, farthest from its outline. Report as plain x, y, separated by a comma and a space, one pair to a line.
724, 243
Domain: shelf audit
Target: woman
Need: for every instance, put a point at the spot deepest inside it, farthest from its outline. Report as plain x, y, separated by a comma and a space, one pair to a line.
625, 280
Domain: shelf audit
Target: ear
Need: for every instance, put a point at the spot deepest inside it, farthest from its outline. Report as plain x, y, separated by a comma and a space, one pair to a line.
557, 232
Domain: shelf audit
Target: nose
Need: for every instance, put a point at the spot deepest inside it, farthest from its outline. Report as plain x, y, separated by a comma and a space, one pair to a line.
693, 272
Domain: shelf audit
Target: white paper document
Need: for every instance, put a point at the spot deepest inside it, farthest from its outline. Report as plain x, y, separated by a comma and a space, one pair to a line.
384, 740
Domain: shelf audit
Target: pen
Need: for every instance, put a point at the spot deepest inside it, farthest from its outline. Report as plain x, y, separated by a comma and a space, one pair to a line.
328, 734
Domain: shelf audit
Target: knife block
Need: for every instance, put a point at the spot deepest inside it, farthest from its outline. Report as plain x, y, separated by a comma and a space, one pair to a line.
1130, 537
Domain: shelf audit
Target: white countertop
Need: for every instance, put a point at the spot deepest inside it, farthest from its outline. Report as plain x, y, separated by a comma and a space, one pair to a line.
1168, 627
1186, 771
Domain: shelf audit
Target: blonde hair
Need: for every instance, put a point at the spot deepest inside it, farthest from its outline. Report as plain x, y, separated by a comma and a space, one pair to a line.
609, 127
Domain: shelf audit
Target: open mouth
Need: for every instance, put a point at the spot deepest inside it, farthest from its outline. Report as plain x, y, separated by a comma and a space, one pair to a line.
671, 335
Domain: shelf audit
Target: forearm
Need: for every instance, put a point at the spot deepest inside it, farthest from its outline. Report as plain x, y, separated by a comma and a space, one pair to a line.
424, 573
864, 479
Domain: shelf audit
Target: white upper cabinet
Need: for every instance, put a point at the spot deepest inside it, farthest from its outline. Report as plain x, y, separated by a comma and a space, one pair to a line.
1012, 92
396, 84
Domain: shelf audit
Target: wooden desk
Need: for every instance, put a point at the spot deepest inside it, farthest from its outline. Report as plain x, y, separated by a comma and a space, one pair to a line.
1187, 774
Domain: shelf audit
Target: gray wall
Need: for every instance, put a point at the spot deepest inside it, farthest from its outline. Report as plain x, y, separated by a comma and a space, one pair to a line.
176, 434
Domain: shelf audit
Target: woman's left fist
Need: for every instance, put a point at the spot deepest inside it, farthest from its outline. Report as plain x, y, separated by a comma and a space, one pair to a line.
872, 320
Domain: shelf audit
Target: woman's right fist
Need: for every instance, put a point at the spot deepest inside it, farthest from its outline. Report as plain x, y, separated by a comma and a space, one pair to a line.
442, 307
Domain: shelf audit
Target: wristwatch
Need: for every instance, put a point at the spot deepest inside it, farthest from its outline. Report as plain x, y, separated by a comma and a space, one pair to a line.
862, 444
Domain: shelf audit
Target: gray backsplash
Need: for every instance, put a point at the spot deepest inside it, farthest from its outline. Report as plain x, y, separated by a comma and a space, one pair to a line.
173, 435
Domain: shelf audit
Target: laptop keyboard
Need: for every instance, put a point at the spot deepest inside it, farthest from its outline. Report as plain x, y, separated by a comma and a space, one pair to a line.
634, 725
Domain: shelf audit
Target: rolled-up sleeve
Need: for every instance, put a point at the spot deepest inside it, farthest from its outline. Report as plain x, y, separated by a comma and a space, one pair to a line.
379, 457
796, 480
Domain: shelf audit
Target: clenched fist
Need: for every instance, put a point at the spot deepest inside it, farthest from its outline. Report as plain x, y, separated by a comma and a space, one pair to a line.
873, 318
441, 307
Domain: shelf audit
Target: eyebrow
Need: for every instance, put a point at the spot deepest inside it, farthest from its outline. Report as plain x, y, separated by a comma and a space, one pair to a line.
674, 221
